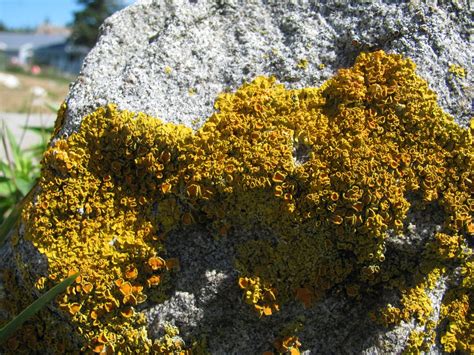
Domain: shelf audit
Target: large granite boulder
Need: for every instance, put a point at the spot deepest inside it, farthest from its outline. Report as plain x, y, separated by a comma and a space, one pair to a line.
329, 214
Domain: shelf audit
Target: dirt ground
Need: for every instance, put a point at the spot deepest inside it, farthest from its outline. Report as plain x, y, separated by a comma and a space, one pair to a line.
33, 95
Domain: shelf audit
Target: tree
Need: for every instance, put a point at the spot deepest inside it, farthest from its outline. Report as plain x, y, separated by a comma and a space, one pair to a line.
85, 28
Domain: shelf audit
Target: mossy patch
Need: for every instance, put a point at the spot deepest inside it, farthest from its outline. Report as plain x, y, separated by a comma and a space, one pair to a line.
326, 169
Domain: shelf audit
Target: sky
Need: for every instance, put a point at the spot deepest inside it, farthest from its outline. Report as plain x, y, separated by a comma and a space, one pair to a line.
31, 13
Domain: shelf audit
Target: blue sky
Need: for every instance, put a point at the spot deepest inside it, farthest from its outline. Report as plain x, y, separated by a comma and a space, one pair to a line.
30, 13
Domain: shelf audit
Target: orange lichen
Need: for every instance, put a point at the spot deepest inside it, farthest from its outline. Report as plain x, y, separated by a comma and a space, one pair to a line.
327, 170
287, 345
457, 310
261, 296
156, 263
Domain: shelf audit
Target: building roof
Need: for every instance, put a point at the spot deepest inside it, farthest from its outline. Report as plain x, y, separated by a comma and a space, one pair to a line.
14, 41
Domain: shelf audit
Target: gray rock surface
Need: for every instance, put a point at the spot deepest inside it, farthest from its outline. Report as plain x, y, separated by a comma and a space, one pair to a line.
171, 58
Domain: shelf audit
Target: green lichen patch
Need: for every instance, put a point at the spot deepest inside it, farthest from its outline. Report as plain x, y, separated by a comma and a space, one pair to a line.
327, 170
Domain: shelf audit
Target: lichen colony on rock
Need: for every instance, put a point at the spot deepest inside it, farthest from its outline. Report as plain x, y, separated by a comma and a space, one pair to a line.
327, 170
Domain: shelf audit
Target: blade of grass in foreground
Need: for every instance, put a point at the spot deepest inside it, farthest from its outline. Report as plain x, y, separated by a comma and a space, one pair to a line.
10, 222
37, 305
13, 217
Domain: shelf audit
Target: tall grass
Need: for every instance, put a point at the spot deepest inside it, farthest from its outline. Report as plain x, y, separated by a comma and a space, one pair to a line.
20, 168
19, 171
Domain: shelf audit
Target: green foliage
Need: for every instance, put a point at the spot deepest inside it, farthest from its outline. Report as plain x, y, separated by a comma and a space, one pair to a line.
87, 21
37, 150
13, 325
20, 169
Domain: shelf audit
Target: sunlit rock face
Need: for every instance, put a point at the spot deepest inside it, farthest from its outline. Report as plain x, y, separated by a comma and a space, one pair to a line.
170, 59
287, 214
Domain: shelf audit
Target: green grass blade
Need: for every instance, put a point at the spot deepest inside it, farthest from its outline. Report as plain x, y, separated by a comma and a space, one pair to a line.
40, 130
24, 185
36, 306
37, 150
14, 147
14, 215
52, 108
5, 169
9, 223
6, 187
7, 202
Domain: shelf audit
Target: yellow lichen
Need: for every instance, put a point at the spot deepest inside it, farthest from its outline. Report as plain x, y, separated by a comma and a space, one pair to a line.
457, 310
303, 64
327, 170
287, 345
261, 297
419, 342
170, 342
457, 70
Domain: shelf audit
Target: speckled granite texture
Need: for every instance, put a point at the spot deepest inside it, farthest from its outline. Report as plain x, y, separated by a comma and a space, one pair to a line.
170, 59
